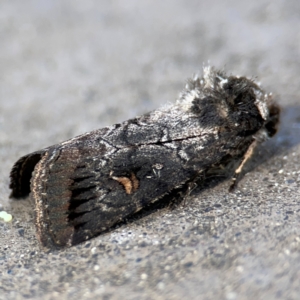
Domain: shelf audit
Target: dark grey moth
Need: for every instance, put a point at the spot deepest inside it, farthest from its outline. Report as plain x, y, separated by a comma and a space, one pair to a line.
87, 184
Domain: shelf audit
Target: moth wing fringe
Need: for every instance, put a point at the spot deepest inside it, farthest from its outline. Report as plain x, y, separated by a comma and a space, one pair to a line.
21, 174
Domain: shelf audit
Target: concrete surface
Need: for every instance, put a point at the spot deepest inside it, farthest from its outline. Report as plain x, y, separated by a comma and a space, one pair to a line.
67, 67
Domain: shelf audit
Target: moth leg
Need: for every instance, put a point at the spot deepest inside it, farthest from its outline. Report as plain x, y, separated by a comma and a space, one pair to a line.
180, 197
237, 174
186, 192
190, 187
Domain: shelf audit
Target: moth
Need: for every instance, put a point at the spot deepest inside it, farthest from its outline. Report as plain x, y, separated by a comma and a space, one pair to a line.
85, 185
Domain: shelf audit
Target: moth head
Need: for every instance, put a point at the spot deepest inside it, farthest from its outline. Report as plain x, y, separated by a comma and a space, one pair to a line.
269, 111
244, 95
272, 118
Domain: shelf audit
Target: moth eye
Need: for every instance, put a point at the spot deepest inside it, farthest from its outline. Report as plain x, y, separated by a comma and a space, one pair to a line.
272, 124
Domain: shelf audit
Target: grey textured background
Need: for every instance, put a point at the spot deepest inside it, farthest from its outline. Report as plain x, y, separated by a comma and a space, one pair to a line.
67, 67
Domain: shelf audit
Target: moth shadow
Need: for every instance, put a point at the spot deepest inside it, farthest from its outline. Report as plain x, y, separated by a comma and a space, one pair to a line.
287, 138
288, 135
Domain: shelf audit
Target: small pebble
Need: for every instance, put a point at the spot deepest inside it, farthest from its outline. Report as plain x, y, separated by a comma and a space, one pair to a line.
5, 216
